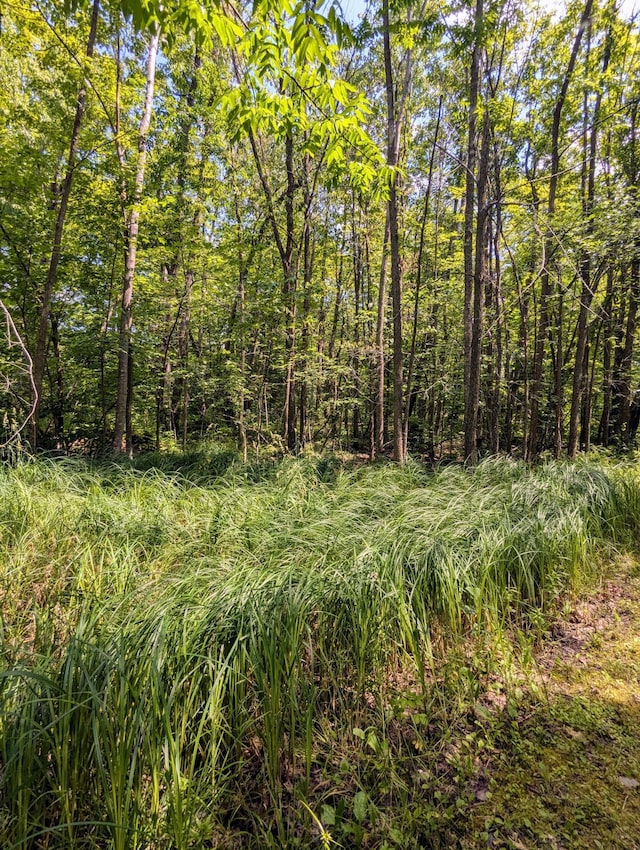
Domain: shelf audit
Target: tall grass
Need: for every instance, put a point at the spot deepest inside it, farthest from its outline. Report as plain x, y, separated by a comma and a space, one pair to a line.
176, 642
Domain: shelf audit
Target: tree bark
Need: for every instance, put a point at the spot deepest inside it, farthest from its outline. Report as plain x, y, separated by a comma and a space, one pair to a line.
394, 125
470, 312
382, 301
119, 444
307, 274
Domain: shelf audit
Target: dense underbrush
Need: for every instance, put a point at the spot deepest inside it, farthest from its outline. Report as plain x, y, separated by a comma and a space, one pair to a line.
202, 654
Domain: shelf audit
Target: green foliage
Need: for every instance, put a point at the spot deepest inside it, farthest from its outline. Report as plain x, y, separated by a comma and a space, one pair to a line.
178, 641
212, 357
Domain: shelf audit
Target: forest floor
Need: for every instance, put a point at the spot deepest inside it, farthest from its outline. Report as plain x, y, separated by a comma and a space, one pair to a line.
561, 768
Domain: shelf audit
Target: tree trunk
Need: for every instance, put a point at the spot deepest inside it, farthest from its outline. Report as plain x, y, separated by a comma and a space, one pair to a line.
394, 124
604, 429
419, 263
285, 248
242, 428
382, 300
588, 287
479, 284
624, 382
502, 364
307, 274
183, 354
471, 332
131, 244
558, 386
547, 243
40, 354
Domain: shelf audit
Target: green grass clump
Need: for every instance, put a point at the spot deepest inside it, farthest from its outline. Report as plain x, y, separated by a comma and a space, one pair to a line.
180, 642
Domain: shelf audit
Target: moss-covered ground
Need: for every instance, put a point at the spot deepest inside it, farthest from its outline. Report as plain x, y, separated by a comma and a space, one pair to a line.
563, 768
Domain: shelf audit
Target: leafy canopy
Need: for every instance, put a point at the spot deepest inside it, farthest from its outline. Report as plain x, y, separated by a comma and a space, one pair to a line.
285, 59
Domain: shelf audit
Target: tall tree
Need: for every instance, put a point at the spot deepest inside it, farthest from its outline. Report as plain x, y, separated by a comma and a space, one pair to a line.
549, 248
40, 353
121, 436
589, 281
396, 101
472, 260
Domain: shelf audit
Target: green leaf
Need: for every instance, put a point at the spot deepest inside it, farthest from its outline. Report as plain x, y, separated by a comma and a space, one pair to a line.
328, 815
360, 806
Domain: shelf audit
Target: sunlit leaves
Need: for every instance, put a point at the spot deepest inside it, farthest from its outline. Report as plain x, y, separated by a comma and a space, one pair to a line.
285, 65
284, 55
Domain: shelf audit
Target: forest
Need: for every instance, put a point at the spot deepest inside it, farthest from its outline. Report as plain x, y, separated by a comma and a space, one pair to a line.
418, 232
319, 394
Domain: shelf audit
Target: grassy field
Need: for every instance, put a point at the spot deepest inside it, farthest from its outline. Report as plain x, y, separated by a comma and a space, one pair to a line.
198, 654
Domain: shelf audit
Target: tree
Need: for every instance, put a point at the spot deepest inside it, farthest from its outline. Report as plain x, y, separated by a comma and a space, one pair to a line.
122, 432
63, 192
248, 280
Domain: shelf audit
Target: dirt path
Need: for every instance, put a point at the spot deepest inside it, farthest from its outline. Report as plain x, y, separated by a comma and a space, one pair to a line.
563, 768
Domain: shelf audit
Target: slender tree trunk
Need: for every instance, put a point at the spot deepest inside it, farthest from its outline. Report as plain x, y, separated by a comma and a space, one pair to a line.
624, 373
547, 245
523, 304
502, 365
370, 341
604, 429
394, 122
382, 300
286, 249
526, 297
183, 354
431, 345
131, 243
471, 332
128, 427
307, 273
585, 417
356, 255
242, 280
624, 382
242, 428
164, 366
479, 285
289, 411
618, 354
419, 264
558, 385
588, 287
183, 256
103, 347
40, 354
